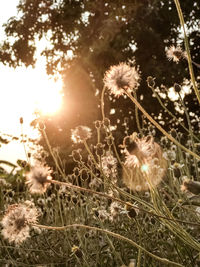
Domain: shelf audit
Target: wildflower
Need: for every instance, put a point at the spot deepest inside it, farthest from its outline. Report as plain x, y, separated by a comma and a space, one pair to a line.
121, 78
38, 178
109, 165
16, 221
145, 165
191, 186
131, 212
80, 134
95, 183
175, 53
115, 209
101, 214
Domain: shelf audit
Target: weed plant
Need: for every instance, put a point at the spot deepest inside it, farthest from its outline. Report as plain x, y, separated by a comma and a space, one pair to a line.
130, 204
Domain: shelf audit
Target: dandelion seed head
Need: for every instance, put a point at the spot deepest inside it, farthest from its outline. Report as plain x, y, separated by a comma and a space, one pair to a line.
115, 209
121, 78
38, 179
80, 134
16, 221
95, 183
103, 215
175, 53
145, 165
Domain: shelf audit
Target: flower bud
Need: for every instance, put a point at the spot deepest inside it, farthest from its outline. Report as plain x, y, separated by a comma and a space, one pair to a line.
99, 149
177, 88
150, 81
21, 120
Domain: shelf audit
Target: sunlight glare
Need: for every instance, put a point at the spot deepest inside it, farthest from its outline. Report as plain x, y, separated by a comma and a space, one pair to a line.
25, 91
48, 99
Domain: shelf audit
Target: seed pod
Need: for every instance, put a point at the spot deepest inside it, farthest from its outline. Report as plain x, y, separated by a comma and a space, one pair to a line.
106, 122
99, 149
97, 124
177, 88
21, 120
150, 81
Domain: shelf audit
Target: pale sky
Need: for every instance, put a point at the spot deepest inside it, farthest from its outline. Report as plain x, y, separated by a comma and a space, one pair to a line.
22, 91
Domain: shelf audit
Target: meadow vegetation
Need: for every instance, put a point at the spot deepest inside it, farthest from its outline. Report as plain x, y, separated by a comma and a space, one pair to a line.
134, 203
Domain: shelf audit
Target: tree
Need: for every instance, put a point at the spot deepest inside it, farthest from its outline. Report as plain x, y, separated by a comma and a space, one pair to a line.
100, 34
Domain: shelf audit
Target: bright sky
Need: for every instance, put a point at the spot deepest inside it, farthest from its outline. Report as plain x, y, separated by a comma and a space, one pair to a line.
22, 92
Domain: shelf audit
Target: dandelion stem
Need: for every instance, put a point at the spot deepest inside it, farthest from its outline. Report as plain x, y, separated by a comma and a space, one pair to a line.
51, 152
89, 152
137, 117
61, 228
171, 114
160, 128
23, 141
102, 102
180, 14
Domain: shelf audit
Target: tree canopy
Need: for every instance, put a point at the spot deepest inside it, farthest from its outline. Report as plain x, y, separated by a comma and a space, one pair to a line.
86, 37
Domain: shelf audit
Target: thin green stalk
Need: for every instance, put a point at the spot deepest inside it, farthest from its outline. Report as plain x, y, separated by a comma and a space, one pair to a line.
117, 254
190, 130
171, 114
160, 128
139, 250
120, 237
102, 102
60, 209
98, 135
118, 200
173, 226
137, 117
52, 154
90, 153
180, 14
23, 141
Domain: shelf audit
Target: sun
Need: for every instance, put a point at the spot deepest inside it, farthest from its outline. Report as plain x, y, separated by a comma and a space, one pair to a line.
48, 97
25, 91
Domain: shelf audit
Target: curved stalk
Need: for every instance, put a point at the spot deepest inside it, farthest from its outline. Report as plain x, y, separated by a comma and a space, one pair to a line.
180, 14
61, 228
76, 187
160, 128
102, 102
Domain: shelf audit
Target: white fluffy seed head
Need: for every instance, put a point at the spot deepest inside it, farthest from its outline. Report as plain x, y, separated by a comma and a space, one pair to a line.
16, 221
175, 53
80, 134
145, 165
121, 78
38, 179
